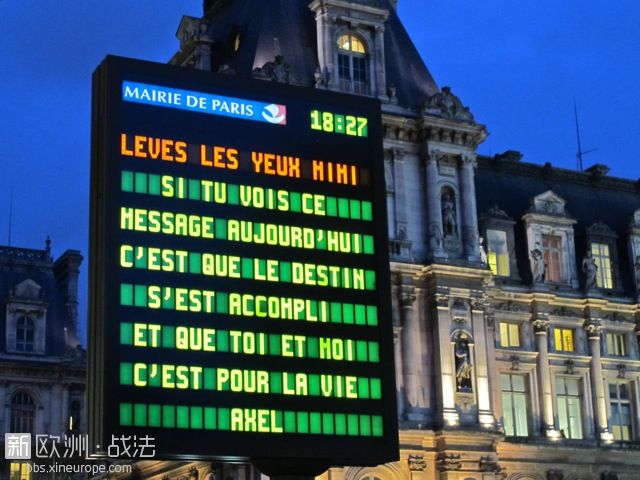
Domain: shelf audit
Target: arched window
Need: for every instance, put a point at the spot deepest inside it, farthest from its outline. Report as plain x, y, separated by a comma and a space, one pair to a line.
23, 413
353, 65
24, 334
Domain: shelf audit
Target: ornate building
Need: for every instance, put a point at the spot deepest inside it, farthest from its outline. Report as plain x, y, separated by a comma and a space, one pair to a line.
515, 285
42, 365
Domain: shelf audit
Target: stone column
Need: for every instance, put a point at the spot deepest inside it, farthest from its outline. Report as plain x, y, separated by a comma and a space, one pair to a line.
444, 358
482, 364
401, 197
64, 413
379, 66
593, 328
434, 208
541, 329
389, 181
397, 353
410, 350
469, 211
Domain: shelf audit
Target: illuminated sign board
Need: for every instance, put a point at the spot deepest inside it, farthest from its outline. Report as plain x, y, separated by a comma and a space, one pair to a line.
239, 273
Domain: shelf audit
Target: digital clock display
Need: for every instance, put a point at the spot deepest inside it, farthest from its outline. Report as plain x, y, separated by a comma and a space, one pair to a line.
331, 122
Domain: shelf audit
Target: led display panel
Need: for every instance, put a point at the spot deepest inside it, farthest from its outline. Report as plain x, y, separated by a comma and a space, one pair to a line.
239, 271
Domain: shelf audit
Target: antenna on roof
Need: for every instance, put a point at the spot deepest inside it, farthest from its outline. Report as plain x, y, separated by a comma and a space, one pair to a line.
10, 214
580, 153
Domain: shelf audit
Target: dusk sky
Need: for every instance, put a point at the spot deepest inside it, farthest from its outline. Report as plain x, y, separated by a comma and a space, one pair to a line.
517, 65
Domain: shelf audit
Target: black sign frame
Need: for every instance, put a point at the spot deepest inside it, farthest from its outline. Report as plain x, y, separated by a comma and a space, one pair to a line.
110, 116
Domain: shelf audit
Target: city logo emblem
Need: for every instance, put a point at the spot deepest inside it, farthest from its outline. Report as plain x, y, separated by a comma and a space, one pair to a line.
276, 114
17, 446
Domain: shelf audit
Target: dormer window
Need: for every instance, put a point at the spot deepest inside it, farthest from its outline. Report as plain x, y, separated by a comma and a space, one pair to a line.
602, 257
353, 65
24, 334
498, 253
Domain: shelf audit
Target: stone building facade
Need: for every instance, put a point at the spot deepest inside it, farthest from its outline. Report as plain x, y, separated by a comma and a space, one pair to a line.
514, 285
42, 365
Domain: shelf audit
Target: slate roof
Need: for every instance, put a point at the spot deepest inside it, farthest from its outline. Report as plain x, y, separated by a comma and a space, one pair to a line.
288, 28
20, 264
591, 198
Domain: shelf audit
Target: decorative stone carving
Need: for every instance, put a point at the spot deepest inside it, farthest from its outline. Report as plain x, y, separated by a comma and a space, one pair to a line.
446, 104
226, 69
407, 298
392, 93
449, 216
538, 265
193, 473
464, 367
459, 310
482, 251
442, 300
417, 463
448, 462
563, 312
277, 71
541, 325
511, 307
490, 464
27, 290
636, 270
590, 270
515, 362
593, 327
498, 213
622, 370
548, 203
609, 476
571, 367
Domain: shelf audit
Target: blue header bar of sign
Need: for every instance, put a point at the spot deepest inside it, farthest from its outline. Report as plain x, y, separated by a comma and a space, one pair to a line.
160, 96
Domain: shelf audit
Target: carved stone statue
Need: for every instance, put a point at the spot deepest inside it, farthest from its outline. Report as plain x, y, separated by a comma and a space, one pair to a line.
277, 71
636, 269
483, 252
447, 105
590, 270
463, 364
538, 267
449, 215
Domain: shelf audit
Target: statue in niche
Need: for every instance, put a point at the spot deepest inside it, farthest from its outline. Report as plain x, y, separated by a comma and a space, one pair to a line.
590, 270
636, 269
449, 214
483, 252
463, 364
539, 268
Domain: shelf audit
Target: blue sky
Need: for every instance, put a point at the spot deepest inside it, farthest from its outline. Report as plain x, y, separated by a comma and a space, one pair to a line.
517, 65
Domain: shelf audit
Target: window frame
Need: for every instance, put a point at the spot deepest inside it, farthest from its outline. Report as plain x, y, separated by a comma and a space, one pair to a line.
559, 338
510, 328
616, 339
620, 402
568, 409
353, 61
556, 252
25, 334
604, 274
22, 412
514, 411
499, 262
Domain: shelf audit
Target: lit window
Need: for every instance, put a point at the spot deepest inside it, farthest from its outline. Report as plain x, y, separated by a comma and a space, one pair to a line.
351, 43
497, 252
514, 405
509, 334
569, 406
551, 249
602, 257
19, 471
620, 411
616, 344
24, 335
564, 340
23, 412
353, 66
